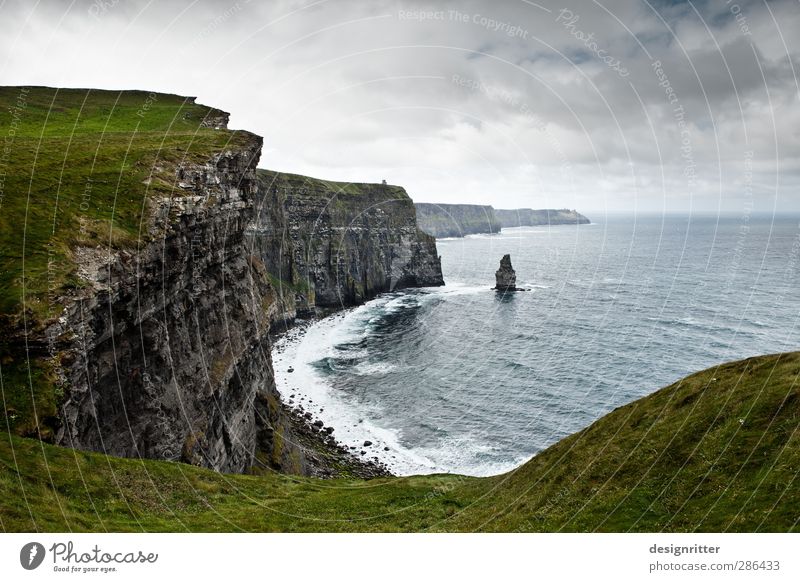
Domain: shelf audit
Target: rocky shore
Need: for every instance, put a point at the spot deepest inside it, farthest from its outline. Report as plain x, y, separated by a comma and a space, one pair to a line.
325, 456
326, 246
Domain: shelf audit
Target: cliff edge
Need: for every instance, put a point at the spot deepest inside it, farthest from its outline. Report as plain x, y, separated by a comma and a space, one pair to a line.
544, 217
457, 220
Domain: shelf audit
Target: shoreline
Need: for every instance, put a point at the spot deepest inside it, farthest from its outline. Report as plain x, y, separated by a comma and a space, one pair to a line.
355, 430
327, 456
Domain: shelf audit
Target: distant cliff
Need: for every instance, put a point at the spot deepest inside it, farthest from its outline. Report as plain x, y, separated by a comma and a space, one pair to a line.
454, 220
529, 217
335, 244
449, 220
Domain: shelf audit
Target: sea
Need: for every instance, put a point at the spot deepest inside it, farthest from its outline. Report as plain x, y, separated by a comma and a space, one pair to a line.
463, 379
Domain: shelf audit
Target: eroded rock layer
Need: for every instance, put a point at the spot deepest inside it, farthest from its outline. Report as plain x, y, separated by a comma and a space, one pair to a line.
331, 244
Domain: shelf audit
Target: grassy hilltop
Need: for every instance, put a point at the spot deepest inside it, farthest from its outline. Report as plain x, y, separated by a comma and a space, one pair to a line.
306, 185
77, 167
717, 451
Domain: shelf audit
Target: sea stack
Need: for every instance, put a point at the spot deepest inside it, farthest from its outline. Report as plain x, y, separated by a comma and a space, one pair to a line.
506, 276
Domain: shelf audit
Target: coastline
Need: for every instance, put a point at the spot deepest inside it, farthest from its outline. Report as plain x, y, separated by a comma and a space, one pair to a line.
313, 351
306, 394
327, 456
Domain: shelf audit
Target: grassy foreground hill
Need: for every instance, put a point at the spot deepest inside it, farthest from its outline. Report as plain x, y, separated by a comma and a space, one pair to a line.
716, 451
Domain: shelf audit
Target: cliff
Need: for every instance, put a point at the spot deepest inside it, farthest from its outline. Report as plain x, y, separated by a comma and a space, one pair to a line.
453, 220
529, 217
136, 317
147, 324
334, 244
165, 354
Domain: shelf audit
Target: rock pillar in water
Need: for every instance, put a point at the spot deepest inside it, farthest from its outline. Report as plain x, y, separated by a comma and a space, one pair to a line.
506, 276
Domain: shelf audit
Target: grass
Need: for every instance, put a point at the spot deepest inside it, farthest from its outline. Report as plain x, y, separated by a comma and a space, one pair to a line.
77, 168
717, 451
305, 185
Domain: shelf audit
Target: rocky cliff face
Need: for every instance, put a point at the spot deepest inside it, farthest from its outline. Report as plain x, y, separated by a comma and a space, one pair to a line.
165, 355
530, 217
454, 220
329, 244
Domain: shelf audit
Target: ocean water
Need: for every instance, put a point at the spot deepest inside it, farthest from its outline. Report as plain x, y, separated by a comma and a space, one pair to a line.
463, 379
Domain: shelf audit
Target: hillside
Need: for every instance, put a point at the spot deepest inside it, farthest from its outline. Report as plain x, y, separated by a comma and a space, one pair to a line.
717, 451
78, 170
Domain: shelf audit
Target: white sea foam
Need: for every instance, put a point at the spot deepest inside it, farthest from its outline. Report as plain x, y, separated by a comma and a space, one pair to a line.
455, 289
374, 368
300, 348
483, 235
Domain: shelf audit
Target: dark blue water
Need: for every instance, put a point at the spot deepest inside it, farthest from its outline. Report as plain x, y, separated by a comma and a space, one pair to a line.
462, 379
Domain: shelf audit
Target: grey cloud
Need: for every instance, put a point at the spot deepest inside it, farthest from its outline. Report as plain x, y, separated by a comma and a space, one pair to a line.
499, 102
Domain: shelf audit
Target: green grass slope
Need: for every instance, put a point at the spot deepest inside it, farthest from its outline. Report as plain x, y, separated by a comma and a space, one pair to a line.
717, 451
77, 167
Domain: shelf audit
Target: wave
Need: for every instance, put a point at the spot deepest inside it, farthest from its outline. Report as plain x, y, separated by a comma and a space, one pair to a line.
484, 235
303, 349
335, 345
458, 289
374, 368
686, 322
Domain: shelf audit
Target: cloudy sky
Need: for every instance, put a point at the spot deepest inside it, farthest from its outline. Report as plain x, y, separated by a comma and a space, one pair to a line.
600, 106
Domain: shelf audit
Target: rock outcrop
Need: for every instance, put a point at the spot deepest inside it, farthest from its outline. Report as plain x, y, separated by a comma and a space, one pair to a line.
506, 277
455, 220
530, 217
331, 245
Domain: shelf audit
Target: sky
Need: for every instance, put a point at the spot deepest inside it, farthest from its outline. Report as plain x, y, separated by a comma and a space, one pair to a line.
602, 106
